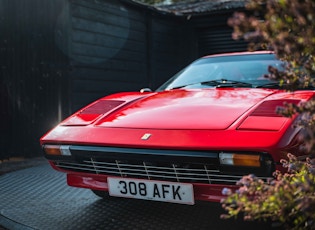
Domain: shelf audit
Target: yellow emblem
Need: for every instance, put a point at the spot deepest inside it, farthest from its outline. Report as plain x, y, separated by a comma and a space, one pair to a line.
146, 136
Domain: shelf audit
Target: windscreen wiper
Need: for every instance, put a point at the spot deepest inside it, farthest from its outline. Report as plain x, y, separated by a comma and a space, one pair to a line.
225, 83
219, 83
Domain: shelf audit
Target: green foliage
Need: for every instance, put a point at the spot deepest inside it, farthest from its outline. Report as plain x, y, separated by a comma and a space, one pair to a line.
289, 198
287, 28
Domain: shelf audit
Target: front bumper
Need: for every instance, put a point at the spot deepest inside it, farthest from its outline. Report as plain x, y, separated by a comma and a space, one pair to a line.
90, 166
202, 192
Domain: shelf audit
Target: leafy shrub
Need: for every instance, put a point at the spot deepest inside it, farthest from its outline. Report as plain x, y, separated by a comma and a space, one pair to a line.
288, 28
288, 199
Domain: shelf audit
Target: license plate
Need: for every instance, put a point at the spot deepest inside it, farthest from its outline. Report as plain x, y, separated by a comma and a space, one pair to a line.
151, 190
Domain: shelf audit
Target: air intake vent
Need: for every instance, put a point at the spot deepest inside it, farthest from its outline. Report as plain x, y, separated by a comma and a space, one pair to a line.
101, 107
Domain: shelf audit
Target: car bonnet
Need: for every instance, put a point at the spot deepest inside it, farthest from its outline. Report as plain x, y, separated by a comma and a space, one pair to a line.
186, 109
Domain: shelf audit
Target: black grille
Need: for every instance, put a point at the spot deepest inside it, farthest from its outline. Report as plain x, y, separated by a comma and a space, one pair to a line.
177, 166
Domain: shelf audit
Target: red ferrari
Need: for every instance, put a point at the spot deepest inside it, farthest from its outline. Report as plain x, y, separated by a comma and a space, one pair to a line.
200, 132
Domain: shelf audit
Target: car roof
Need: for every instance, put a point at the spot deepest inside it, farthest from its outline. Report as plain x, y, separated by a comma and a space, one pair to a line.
240, 53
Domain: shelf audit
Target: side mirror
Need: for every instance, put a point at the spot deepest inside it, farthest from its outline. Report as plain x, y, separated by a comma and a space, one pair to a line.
145, 90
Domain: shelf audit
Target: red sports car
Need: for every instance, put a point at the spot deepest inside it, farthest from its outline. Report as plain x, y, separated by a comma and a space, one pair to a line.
200, 132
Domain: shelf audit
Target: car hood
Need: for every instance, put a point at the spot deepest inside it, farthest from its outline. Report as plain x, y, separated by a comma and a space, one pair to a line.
186, 109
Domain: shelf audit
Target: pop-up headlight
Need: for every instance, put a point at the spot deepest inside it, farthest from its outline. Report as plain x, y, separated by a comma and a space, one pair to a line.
265, 116
90, 113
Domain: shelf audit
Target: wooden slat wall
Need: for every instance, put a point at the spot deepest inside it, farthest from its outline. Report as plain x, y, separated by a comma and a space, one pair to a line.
108, 49
33, 74
57, 56
171, 49
213, 40
215, 36
115, 48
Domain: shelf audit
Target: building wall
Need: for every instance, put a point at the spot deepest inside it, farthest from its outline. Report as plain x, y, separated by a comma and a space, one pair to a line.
117, 47
213, 35
33, 74
57, 56
171, 48
107, 50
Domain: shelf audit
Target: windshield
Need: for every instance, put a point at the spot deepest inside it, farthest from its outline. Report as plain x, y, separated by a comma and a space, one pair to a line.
226, 71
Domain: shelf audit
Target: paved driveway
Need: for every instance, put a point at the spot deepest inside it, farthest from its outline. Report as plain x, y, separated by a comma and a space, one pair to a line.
38, 198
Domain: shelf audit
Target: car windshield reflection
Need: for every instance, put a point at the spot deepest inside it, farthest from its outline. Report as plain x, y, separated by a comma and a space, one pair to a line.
229, 71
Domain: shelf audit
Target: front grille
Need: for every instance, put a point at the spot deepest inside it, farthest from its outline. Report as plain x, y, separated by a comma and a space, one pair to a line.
192, 173
166, 165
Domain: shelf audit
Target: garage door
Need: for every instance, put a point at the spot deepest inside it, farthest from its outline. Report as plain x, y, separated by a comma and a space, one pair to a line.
212, 40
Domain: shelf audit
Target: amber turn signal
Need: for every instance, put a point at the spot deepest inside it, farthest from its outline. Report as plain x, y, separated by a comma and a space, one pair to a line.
236, 159
52, 149
57, 150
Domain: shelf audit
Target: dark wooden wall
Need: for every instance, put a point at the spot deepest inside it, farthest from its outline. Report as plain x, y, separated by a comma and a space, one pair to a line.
214, 35
117, 47
33, 74
57, 56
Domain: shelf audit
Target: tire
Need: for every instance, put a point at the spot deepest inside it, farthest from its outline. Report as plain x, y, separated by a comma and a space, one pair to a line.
101, 194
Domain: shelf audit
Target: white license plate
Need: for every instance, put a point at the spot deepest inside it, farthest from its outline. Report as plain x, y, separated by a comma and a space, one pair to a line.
151, 190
